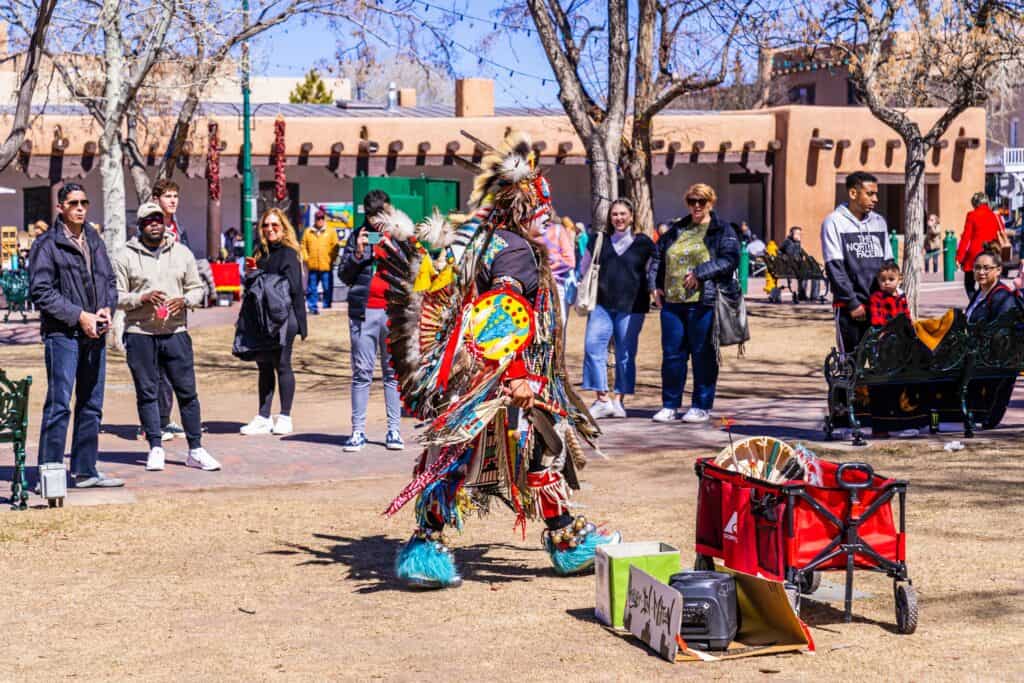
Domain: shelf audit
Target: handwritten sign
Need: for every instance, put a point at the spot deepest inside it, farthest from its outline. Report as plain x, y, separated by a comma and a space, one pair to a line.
654, 612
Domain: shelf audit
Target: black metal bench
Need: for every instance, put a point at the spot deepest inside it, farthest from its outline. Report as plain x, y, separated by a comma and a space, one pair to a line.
802, 267
969, 374
14, 430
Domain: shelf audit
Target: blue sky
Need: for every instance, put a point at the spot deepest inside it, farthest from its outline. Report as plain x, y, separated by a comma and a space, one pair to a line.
293, 49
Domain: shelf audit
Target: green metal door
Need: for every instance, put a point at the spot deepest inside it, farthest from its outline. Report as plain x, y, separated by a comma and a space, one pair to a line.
417, 197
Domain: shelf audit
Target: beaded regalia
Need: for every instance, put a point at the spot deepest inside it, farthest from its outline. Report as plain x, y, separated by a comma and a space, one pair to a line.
473, 311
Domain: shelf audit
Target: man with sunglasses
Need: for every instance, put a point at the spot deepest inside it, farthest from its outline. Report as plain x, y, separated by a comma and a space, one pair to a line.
157, 282
73, 287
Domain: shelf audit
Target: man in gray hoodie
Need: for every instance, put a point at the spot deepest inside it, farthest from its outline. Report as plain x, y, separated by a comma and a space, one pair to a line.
157, 282
854, 243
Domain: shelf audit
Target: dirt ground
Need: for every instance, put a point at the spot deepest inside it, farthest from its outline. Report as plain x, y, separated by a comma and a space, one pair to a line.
295, 583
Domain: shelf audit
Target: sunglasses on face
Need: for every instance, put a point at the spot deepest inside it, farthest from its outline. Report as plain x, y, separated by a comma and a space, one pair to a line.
84, 203
271, 226
696, 201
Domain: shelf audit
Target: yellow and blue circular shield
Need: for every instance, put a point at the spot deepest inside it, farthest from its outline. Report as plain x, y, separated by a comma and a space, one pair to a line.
500, 324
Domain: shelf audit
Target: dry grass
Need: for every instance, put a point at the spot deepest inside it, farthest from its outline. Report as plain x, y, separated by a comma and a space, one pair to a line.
295, 584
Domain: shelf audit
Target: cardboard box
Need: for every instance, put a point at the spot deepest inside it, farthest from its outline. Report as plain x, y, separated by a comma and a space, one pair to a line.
768, 624
611, 570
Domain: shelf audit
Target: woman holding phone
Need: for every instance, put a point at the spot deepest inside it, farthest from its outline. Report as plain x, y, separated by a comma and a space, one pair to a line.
278, 254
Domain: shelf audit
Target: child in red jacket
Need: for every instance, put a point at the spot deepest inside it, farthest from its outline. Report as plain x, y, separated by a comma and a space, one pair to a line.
888, 301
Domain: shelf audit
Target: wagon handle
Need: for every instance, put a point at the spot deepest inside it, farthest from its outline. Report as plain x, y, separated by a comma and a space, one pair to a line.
854, 486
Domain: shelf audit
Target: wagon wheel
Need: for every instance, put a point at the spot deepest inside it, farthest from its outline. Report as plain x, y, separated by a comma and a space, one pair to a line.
809, 582
704, 563
906, 609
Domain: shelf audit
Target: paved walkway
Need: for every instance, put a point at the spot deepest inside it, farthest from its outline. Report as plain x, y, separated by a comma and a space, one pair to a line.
317, 455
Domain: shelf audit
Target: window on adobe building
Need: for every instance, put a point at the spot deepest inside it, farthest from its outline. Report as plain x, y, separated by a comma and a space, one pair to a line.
36, 205
801, 94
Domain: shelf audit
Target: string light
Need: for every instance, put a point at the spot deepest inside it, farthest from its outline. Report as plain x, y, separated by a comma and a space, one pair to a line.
463, 16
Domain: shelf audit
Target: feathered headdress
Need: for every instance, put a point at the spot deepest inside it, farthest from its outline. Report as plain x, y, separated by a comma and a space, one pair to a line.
509, 183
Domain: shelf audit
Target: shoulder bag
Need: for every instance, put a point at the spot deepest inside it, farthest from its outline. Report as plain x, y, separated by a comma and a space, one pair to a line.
586, 295
731, 325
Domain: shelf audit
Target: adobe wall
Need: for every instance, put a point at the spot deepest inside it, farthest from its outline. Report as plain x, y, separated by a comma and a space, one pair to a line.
805, 178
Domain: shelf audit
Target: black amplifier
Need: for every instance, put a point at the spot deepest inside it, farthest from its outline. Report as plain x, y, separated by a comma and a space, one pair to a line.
710, 613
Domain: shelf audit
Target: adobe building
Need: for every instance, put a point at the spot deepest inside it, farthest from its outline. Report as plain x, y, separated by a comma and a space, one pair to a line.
774, 168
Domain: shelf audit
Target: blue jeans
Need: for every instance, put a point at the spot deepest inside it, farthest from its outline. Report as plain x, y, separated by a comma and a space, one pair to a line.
686, 334
78, 364
369, 340
315, 278
602, 325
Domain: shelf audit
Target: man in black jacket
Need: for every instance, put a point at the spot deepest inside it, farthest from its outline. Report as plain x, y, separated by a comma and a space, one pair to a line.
72, 284
367, 322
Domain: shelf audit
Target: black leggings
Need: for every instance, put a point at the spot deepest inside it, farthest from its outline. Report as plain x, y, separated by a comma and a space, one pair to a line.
281, 369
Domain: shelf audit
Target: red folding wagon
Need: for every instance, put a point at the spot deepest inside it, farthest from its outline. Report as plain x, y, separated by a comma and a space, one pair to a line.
793, 530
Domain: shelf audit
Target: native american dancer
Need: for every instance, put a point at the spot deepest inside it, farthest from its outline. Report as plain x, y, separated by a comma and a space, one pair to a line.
475, 340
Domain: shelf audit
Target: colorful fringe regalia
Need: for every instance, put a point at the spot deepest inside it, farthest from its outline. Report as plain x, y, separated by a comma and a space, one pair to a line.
473, 308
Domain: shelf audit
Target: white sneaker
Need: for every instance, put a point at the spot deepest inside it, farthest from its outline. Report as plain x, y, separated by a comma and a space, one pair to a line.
599, 409
282, 425
155, 461
696, 416
666, 415
618, 410
259, 425
199, 458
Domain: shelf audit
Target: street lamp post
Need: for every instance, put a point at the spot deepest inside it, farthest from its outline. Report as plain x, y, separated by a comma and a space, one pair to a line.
248, 200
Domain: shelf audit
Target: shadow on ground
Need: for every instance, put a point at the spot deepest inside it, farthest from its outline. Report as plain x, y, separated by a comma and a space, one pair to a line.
370, 561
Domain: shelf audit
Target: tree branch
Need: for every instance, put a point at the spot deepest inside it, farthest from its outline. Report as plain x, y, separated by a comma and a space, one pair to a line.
26, 89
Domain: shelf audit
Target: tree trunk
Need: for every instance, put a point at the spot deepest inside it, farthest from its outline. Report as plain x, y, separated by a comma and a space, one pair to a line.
914, 220
636, 167
114, 229
603, 180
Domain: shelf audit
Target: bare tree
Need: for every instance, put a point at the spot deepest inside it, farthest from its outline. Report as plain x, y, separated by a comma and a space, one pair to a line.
664, 72
202, 38
106, 80
27, 83
599, 118
904, 54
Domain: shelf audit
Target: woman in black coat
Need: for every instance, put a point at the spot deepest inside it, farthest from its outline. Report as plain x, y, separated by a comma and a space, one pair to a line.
278, 254
695, 259
991, 297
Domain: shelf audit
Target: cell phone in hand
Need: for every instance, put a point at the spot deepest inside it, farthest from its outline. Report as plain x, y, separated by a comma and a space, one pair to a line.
102, 326
373, 237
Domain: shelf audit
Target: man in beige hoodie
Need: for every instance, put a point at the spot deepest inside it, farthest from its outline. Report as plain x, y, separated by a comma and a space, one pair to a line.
157, 282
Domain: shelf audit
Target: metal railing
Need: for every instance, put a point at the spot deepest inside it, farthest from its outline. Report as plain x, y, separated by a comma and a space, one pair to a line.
1013, 159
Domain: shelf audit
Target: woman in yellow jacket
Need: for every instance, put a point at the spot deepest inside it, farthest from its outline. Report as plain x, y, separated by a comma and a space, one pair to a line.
319, 247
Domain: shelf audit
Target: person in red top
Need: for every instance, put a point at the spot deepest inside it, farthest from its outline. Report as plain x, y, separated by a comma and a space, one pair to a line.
368, 322
888, 301
982, 226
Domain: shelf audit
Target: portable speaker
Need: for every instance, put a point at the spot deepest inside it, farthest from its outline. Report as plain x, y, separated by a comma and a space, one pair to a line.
710, 613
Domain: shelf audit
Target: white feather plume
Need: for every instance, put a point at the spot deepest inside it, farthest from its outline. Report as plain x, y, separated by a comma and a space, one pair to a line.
399, 224
435, 231
515, 168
